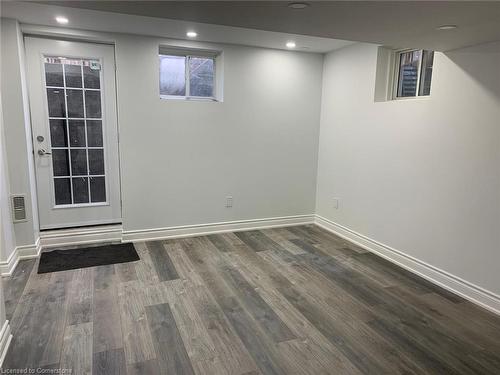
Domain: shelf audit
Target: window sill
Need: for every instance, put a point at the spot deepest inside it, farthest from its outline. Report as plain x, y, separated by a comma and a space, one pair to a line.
423, 97
188, 98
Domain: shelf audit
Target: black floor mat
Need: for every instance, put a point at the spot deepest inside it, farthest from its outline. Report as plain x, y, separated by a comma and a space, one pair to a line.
62, 260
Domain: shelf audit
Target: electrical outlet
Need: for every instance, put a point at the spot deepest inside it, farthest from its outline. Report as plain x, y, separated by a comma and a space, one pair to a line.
229, 201
336, 202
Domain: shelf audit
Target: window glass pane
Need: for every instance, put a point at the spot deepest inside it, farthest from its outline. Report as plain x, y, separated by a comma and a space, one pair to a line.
55, 99
73, 75
93, 104
426, 73
408, 73
97, 189
78, 162
94, 133
77, 133
172, 75
54, 75
201, 76
62, 190
58, 134
96, 161
80, 190
91, 78
75, 103
60, 164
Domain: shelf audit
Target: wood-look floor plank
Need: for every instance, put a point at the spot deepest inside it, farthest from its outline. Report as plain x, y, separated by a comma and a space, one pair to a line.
144, 368
256, 240
54, 318
171, 353
14, 285
220, 242
137, 340
77, 349
126, 271
197, 341
107, 333
260, 348
296, 300
252, 301
80, 297
162, 262
109, 362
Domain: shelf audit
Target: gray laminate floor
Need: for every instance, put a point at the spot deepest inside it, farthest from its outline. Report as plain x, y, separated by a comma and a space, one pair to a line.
281, 301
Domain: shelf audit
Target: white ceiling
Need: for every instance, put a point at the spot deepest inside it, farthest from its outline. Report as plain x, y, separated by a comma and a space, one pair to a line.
323, 25
394, 23
83, 19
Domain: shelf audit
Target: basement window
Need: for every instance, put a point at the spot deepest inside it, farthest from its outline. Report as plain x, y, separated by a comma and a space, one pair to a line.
413, 73
187, 74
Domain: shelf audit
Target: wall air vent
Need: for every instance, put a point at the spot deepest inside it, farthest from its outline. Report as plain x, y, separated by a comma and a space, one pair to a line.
18, 208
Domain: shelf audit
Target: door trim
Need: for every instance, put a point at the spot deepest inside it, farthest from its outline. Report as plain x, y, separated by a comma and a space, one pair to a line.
113, 91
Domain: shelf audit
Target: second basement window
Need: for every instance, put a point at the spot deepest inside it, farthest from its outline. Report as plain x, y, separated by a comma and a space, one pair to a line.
187, 76
413, 73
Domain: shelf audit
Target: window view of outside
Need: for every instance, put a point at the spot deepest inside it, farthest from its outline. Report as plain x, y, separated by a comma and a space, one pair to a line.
194, 80
201, 76
408, 73
172, 75
426, 75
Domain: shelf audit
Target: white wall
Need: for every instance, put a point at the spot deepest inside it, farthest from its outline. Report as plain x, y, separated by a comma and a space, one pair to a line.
179, 159
16, 127
419, 175
7, 236
7, 240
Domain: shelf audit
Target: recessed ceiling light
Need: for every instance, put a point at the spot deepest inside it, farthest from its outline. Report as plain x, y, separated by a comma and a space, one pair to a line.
290, 45
192, 34
447, 27
62, 20
298, 5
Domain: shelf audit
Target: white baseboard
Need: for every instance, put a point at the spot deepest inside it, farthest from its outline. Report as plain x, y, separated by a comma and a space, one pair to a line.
112, 233
19, 253
5, 339
203, 229
463, 288
80, 236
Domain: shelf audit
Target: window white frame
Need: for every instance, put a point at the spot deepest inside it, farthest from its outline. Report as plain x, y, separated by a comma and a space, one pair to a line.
396, 73
189, 54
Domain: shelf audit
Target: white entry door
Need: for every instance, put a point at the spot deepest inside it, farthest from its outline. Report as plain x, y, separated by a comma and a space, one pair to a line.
75, 137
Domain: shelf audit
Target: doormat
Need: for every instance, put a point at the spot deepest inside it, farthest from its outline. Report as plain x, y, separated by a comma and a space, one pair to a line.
62, 260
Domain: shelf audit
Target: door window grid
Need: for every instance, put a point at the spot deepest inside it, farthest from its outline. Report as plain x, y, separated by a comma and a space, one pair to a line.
88, 177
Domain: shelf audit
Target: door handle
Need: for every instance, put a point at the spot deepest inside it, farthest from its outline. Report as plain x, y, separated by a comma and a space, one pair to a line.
42, 152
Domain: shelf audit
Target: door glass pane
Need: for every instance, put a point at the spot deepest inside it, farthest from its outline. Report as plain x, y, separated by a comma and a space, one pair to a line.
60, 164
93, 103
94, 133
73, 75
62, 190
97, 189
96, 161
201, 76
80, 190
75, 103
408, 73
54, 75
58, 133
75, 124
55, 101
79, 162
77, 133
172, 75
91, 78
426, 74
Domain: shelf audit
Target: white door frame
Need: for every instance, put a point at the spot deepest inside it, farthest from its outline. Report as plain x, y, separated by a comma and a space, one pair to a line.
79, 214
